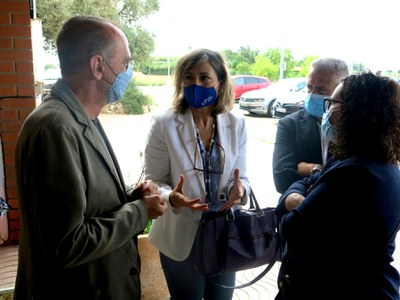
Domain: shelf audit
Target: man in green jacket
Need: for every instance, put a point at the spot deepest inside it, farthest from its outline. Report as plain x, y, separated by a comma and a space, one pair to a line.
79, 222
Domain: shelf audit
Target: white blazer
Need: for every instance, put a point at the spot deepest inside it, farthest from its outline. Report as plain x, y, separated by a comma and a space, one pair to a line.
169, 153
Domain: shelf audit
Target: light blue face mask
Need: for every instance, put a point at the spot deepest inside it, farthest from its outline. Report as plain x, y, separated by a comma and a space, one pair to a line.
326, 126
118, 87
314, 104
198, 96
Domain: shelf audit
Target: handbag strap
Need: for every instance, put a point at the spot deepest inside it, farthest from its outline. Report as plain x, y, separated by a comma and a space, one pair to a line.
253, 201
257, 278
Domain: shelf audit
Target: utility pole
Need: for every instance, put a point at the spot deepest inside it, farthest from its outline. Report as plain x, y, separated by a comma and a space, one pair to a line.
282, 63
169, 69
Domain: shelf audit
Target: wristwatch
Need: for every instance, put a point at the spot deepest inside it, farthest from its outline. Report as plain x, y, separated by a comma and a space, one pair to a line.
317, 168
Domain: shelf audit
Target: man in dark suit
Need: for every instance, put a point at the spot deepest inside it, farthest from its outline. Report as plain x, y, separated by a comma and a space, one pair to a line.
299, 150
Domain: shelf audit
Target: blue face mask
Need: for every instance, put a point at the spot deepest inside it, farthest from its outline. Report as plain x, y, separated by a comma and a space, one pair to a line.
326, 126
314, 104
117, 89
198, 96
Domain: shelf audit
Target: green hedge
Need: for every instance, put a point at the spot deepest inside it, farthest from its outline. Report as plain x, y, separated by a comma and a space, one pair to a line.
134, 101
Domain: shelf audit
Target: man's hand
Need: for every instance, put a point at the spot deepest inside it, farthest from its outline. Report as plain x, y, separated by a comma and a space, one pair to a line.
155, 204
178, 199
149, 194
148, 187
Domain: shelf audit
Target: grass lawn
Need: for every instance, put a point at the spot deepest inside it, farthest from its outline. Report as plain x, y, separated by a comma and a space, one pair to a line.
150, 80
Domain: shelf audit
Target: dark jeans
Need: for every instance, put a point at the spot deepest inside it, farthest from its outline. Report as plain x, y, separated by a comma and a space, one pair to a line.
186, 283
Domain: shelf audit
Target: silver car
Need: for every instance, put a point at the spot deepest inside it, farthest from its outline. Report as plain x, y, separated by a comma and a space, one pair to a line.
261, 101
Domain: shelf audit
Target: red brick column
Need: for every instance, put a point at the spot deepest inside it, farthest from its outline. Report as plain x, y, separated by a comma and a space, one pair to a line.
17, 92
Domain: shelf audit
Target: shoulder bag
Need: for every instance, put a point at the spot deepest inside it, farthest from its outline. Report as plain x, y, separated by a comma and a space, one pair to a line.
238, 239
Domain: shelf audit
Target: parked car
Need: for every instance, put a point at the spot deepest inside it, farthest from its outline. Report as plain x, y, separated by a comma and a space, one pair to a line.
245, 83
50, 77
261, 101
289, 103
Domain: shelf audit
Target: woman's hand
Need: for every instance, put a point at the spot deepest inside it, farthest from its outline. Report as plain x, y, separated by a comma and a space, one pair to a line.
293, 200
178, 199
236, 193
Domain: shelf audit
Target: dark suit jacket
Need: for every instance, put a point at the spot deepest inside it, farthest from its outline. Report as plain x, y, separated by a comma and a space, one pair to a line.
298, 139
78, 227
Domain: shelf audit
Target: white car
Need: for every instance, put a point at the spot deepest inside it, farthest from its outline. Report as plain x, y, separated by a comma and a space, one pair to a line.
50, 77
261, 101
289, 103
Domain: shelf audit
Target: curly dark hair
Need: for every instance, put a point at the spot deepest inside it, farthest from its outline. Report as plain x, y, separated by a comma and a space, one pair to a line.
369, 122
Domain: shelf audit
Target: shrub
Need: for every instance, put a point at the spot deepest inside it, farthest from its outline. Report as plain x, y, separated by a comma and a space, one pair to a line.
148, 225
134, 101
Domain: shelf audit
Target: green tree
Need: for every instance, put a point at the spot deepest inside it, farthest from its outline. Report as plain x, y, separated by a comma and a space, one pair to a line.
141, 45
247, 61
274, 55
263, 66
303, 66
358, 67
239, 61
126, 13
243, 68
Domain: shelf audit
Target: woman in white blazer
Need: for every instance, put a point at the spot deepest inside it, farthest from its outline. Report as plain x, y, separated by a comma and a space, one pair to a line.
196, 153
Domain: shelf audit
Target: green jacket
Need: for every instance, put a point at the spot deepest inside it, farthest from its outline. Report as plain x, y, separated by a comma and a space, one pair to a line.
79, 227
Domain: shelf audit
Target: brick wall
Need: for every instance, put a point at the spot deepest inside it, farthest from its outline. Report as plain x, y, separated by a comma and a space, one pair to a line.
17, 91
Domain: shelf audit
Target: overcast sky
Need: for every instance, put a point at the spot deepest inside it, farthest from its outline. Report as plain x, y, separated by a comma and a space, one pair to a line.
363, 31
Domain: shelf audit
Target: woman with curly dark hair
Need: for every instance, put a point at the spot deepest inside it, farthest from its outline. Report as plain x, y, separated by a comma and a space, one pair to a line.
341, 236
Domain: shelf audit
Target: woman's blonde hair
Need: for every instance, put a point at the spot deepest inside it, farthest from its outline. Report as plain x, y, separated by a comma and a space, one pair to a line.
225, 98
